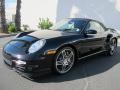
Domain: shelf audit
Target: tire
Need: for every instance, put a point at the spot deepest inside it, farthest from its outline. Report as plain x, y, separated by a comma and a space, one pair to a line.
112, 47
64, 60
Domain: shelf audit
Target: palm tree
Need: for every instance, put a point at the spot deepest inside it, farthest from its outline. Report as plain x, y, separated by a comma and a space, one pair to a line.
18, 16
2, 17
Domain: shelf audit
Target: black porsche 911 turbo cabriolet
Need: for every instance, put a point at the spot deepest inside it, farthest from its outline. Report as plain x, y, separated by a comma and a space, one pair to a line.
57, 49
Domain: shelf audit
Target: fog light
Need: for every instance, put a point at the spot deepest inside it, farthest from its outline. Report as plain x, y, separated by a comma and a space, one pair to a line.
19, 62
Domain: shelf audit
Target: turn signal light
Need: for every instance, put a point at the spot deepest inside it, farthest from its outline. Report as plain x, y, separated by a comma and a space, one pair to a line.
51, 52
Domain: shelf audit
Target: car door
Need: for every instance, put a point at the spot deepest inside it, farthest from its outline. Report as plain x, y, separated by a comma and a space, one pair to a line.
92, 42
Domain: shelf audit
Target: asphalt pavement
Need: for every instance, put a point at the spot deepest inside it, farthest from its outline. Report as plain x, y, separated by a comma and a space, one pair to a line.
99, 72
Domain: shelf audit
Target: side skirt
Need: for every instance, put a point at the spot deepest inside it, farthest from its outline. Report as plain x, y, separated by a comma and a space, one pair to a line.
91, 54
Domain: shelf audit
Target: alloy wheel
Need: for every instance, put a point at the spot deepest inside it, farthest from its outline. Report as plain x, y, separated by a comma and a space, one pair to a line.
113, 45
64, 60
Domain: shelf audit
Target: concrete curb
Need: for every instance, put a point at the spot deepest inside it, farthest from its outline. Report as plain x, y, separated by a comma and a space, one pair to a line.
7, 35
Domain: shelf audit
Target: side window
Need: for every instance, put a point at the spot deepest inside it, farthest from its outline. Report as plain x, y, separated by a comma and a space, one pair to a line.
76, 23
102, 29
95, 26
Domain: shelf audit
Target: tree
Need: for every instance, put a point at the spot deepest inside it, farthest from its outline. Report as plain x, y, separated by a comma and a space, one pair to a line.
18, 16
3, 17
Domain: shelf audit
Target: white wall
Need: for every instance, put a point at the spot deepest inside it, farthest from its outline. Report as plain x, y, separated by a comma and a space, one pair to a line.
10, 10
106, 11
32, 10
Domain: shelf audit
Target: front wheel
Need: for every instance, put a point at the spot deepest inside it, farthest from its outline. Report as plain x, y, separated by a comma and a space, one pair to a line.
112, 47
64, 60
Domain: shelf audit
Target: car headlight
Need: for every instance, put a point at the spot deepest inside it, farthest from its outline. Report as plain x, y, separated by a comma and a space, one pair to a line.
37, 46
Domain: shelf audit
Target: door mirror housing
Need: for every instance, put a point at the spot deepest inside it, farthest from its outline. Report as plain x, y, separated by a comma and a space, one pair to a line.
90, 31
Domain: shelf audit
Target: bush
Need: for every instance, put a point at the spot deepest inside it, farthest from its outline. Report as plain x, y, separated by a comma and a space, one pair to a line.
45, 23
25, 27
11, 27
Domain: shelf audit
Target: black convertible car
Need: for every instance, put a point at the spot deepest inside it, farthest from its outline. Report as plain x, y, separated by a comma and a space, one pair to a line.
57, 49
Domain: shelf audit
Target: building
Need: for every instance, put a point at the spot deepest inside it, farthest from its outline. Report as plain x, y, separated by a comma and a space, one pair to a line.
0, 18
0, 24
13, 18
106, 11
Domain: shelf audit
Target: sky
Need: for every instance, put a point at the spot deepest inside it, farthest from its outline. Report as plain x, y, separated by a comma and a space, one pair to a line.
10, 8
8, 2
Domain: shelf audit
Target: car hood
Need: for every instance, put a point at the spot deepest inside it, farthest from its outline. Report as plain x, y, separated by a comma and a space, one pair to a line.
46, 34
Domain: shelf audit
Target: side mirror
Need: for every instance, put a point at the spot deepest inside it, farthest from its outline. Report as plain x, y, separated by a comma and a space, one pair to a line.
90, 32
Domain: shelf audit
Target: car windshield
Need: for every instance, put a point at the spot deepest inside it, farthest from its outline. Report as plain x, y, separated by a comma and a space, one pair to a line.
72, 25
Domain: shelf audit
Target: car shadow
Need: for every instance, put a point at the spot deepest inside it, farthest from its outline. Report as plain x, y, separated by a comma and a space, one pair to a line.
85, 68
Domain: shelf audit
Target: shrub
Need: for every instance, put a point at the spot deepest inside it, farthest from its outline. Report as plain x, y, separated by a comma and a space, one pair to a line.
25, 27
11, 27
44, 23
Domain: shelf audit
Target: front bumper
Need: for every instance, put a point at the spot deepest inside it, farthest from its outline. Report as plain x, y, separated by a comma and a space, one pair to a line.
28, 74
31, 68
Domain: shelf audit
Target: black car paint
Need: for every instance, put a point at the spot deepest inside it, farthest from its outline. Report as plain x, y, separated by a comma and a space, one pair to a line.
83, 45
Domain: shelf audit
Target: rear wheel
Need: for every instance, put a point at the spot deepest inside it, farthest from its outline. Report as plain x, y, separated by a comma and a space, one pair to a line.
64, 60
112, 47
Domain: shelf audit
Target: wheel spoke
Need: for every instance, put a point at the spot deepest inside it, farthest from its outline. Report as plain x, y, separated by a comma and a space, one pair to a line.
60, 62
69, 61
112, 48
64, 68
113, 45
64, 54
70, 55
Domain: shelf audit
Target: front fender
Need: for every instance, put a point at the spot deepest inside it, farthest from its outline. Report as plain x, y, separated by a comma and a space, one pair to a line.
23, 34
